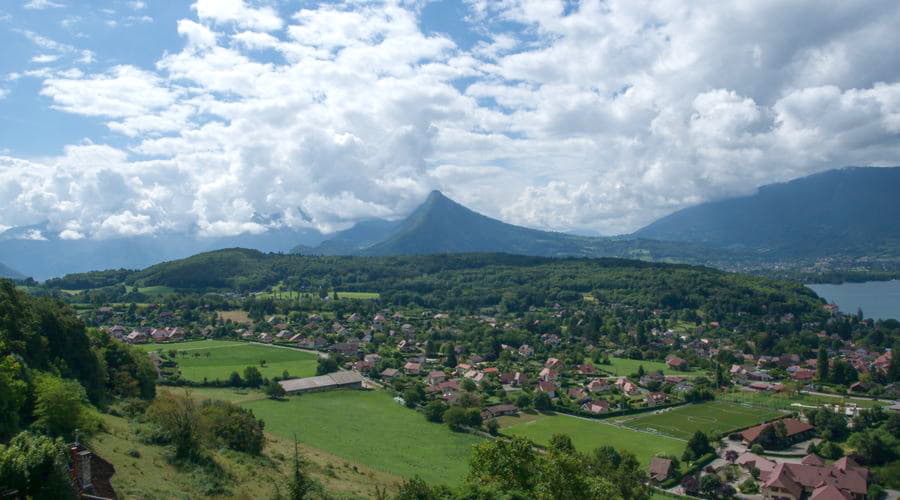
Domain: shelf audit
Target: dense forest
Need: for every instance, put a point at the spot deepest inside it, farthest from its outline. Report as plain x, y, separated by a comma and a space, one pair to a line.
470, 281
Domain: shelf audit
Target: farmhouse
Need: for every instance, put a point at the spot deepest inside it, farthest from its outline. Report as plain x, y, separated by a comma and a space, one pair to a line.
795, 430
335, 380
676, 363
498, 411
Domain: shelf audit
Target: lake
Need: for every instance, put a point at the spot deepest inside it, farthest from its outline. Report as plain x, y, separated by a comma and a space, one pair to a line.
878, 299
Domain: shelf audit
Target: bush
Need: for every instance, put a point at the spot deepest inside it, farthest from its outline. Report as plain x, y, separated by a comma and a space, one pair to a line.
757, 449
455, 417
749, 487
434, 411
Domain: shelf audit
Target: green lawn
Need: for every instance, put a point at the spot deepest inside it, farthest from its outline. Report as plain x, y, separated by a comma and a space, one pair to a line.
216, 359
589, 434
712, 418
160, 291
624, 366
370, 428
786, 401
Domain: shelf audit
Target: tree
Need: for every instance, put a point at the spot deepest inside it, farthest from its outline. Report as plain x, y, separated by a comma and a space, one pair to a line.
59, 406
731, 456
326, 366
822, 365
876, 445
542, 401
233, 426
450, 361
473, 417
523, 401
492, 427
893, 373
697, 446
455, 417
33, 465
252, 377
274, 390
13, 394
562, 443
235, 380
178, 419
434, 411
468, 385
300, 485
709, 485
413, 395
509, 464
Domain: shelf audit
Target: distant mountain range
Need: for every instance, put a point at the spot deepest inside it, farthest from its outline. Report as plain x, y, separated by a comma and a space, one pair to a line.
38, 252
851, 211
440, 225
7, 272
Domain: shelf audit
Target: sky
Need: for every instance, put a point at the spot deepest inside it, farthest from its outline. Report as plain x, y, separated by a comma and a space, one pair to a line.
221, 117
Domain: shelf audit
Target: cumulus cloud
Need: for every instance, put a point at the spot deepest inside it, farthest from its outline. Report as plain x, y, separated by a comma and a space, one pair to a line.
42, 4
595, 116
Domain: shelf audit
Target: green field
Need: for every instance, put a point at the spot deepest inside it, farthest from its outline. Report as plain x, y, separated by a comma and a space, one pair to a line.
624, 366
713, 418
370, 428
789, 401
589, 434
160, 291
281, 292
216, 359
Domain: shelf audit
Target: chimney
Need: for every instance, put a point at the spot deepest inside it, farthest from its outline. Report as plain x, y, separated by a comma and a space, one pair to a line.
84, 469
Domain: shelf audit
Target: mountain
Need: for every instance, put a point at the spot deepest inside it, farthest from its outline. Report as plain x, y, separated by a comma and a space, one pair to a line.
850, 211
7, 272
441, 225
37, 251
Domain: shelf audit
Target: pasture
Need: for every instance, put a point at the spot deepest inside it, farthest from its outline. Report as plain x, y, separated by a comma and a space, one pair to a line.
216, 359
713, 418
370, 428
589, 434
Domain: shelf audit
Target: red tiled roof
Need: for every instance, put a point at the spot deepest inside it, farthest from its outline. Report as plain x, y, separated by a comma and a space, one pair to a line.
791, 425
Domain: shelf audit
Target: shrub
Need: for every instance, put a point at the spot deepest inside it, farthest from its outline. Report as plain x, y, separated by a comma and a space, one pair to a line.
434, 411
749, 487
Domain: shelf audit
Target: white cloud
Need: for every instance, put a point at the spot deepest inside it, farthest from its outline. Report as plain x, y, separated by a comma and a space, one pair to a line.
599, 117
44, 58
137, 5
42, 4
3, 93
237, 12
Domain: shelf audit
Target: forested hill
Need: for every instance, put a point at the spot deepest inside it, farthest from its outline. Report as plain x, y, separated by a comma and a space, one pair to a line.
851, 211
470, 281
441, 225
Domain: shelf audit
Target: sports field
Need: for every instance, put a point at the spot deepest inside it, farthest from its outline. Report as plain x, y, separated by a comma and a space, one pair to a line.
625, 366
370, 428
216, 359
715, 417
791, 401
589, 434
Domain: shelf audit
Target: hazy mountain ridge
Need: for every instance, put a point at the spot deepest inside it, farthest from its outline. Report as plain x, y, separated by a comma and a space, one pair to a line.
8, 272
850, 211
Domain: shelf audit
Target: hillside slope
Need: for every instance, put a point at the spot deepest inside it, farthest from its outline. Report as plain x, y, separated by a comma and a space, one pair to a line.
851, 211
8, 272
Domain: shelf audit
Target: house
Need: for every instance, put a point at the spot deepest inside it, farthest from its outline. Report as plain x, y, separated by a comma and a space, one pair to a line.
795, 430
803, 375
436, 377
596, 407
548, 375
334, 380
411, 368
676, 363
660, 469
552, 363
599, 385
656, 398
136, 337
843, 479
586, 369
547, 388
498, 411
390, 373
749, 461
577, 394
526, 351
520, 380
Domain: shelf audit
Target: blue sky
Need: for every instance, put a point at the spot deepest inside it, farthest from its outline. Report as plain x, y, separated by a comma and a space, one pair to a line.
138, 117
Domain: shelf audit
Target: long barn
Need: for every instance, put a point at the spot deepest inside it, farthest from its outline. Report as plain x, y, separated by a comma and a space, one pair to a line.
335, 380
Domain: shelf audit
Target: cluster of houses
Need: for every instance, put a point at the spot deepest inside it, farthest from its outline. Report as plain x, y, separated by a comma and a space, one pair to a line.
143, 335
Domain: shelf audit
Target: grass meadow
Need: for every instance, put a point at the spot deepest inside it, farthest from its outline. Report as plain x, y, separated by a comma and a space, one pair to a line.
216, 359
589, 434
790, 401
624, 367
370, 428
713, 418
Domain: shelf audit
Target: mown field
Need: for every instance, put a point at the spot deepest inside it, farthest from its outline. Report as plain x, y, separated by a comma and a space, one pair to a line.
624, 366
370, 428
713, 418
216, 359
589, 434
789, 401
